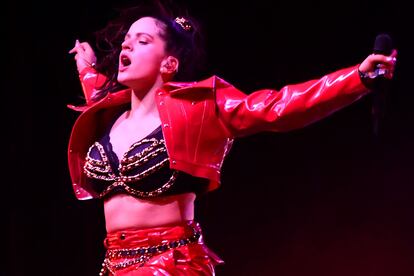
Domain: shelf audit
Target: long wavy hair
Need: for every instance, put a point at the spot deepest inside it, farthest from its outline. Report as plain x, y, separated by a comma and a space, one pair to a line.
186, 45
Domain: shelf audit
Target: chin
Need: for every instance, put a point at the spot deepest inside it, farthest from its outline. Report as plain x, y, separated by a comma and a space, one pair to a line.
123, 80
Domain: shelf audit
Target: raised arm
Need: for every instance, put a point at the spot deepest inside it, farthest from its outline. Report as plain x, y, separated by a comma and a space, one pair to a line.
85, 62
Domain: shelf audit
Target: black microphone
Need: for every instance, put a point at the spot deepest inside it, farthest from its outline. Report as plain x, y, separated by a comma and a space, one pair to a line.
383, 45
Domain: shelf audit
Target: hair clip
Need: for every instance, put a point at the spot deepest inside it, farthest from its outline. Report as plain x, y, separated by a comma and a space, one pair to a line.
184, 23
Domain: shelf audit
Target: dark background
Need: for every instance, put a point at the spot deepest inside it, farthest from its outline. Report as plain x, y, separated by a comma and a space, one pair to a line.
329, 199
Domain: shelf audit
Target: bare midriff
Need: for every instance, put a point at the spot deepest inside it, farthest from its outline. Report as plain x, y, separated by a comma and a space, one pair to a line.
123, 211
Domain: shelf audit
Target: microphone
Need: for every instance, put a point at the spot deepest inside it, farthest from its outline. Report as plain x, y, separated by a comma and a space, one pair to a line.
383, 45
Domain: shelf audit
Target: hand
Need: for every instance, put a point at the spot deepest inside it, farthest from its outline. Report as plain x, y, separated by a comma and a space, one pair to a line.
373, 61
85, 56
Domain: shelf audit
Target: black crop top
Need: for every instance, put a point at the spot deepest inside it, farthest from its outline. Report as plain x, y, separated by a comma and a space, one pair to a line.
142, 172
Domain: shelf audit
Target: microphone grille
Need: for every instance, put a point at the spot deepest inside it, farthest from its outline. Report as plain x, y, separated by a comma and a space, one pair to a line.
383, 44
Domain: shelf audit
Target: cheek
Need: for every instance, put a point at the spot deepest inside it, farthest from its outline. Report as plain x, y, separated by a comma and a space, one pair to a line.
152, 64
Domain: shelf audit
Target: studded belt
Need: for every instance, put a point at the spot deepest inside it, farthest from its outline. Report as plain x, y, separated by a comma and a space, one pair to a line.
141, 255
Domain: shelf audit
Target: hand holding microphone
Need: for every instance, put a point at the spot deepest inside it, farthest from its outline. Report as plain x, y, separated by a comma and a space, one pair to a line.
381, 63
376, 71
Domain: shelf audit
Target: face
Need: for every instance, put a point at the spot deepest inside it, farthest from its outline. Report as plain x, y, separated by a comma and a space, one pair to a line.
143, 54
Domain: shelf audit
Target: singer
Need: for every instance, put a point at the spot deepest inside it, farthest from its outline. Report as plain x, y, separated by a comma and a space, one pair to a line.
150, 139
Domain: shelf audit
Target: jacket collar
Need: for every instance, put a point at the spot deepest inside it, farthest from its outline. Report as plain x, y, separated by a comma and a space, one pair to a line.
213, 82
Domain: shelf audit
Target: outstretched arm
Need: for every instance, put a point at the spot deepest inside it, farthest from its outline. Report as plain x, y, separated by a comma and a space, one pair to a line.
298, 105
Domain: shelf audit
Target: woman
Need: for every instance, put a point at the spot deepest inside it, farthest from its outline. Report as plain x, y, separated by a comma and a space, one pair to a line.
147, 145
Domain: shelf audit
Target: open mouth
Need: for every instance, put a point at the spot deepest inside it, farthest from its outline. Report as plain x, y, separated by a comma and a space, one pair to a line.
125, 61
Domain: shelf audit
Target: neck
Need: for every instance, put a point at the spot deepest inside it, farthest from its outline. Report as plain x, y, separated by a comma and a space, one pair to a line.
143, 100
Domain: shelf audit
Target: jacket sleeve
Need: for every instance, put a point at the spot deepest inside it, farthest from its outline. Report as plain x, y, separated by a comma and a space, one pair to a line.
90, 81
292, 107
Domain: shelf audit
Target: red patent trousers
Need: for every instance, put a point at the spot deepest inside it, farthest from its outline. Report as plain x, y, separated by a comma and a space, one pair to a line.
173, 250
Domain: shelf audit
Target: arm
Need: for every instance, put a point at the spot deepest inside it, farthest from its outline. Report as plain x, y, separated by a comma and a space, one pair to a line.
89, 78
298, 105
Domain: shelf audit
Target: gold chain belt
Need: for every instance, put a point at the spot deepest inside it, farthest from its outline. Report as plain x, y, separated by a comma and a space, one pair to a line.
141, 255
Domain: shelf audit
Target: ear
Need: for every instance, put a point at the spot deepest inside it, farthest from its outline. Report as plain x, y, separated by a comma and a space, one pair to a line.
169, 65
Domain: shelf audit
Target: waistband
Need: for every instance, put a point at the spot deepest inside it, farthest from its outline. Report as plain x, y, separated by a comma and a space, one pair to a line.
131, 238
136, 246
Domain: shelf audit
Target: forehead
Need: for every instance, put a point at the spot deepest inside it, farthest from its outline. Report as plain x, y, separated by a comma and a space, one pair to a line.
148, 25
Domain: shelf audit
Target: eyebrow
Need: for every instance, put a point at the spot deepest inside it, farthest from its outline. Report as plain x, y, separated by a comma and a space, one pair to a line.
139, 34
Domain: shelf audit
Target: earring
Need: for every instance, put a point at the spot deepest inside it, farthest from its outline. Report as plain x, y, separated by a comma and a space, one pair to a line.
168, 66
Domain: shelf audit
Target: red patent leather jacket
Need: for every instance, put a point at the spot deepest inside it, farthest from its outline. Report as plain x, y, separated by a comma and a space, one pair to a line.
201, 119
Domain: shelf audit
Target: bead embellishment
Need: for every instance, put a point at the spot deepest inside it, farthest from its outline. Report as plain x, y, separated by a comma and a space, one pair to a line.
101, 169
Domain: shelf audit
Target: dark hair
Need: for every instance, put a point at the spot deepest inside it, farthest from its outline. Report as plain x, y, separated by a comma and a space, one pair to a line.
186, 45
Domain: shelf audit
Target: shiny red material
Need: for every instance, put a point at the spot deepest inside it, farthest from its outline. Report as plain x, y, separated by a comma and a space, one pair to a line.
191, 259
201, 119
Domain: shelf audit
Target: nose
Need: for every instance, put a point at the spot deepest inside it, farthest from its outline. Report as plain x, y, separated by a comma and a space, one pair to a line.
126, 45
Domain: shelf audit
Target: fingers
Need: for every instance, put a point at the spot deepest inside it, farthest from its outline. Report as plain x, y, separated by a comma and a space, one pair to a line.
389, 64
385, 62
394, 53
381, 59
81, 46
75, 48
84, 55
378, 61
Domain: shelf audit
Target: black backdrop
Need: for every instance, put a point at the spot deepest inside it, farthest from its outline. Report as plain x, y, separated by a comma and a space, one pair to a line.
329, 199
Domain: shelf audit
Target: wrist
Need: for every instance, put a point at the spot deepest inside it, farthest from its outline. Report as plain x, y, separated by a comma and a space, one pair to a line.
87, 69
366, 78
82, 66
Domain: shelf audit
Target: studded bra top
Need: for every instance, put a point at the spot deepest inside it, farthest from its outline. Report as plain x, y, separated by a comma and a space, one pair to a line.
142, 172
